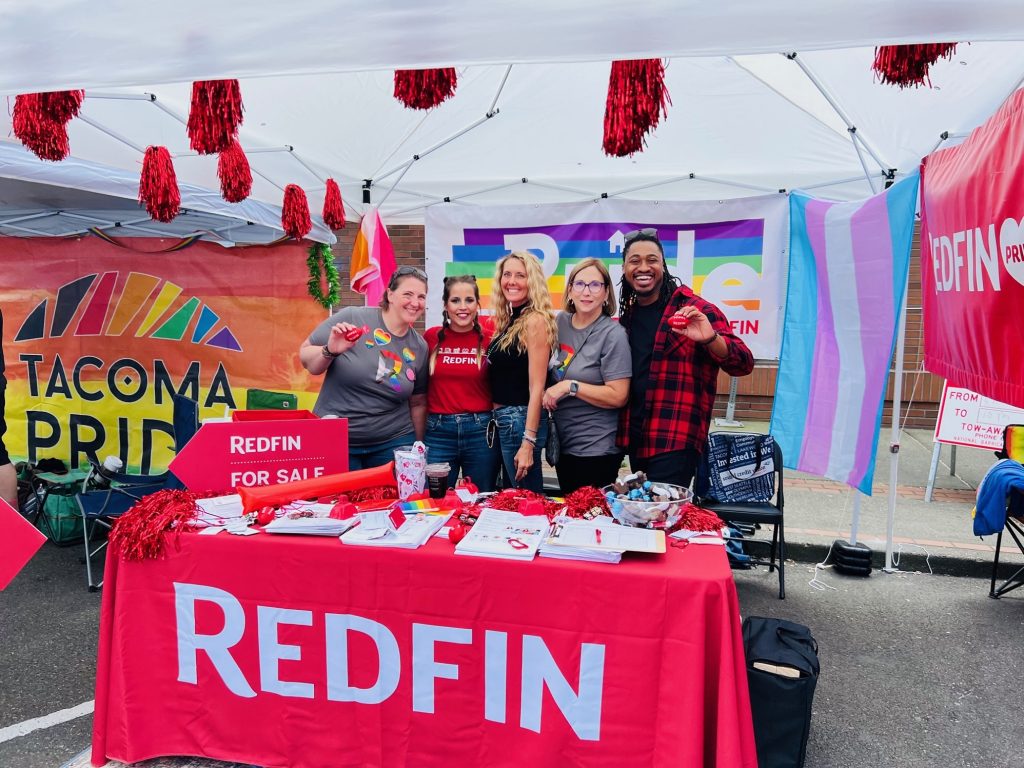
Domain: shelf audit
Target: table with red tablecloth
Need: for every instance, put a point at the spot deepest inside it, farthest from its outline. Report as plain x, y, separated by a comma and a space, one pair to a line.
303, 651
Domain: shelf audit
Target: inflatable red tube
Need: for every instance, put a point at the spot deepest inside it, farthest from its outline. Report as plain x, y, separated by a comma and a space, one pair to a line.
261, 496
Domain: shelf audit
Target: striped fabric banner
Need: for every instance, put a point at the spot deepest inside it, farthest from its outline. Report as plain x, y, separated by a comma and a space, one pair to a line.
847, 277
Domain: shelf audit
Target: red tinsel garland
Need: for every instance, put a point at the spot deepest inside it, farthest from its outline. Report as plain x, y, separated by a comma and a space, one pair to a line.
37, 130
158, 185
215, 115
637, 99
375, 493
234, 173
139, 532
694, 518
334, 208
586, 502
510, 500
424, 88
295, 217
907, 65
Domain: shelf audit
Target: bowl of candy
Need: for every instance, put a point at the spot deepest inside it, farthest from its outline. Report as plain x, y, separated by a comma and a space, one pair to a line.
636, 501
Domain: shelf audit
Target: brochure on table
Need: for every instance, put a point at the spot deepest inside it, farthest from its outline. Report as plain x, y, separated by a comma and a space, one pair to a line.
605, 535
412, 533
497, 533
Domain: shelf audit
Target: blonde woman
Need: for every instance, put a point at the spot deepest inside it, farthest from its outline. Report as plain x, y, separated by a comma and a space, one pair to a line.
591, 371
524, 337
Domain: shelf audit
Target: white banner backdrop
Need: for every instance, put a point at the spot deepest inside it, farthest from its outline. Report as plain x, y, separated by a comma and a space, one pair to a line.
731, 252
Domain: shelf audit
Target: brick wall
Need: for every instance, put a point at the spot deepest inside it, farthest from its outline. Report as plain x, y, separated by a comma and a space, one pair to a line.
754, 394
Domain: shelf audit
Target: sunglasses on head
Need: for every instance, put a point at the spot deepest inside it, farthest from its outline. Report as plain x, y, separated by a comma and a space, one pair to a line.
406, 272
646, 232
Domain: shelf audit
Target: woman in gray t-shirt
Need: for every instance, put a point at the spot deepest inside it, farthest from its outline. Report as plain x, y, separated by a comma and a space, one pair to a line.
374, 365
592, 368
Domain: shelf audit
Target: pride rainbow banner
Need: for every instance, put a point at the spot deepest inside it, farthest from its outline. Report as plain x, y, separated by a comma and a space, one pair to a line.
106, 332
731, 252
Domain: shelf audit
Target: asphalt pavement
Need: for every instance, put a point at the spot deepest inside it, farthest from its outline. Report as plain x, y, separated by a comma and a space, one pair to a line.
917, 668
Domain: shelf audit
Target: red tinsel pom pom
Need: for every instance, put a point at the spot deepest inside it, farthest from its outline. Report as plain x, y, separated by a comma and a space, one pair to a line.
694, 518
234, 173
637, 99
38, 130
158, 186
586, 502
295, 217
907, 65
334, 209
215, 115
62, 105
139, 532
424, 88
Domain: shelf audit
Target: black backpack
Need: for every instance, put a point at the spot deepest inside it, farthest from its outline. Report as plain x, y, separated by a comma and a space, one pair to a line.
782, 672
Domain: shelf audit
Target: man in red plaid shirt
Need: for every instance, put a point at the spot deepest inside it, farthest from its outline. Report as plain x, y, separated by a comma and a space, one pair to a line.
679, 342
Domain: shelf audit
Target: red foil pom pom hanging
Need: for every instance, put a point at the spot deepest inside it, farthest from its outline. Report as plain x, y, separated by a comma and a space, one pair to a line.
907, 65
215, 115
158, 186
35, 125
424, 88
334, 209
234, 173
295, 217
62, 105
637, 100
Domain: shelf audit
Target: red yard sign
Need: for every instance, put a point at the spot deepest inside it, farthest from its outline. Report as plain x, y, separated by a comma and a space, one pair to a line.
224, 455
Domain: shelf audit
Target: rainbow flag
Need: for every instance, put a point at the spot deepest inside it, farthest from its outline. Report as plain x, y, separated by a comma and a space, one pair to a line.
847, 278
373, 258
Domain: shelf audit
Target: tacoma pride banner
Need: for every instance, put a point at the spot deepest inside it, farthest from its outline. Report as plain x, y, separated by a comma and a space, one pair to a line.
847, 281
731, 252
107, 331
972, 258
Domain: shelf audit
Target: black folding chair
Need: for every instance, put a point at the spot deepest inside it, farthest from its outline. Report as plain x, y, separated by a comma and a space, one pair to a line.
757, 514
107, 495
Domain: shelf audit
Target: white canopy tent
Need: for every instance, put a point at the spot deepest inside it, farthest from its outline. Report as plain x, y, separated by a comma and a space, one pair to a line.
766, 97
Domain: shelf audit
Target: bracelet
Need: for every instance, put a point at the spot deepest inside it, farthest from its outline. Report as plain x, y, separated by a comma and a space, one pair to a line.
710, 341
531, 440
326, 352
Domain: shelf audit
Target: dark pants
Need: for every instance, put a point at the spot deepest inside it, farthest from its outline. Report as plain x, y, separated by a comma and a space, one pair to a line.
577, 471
674, 467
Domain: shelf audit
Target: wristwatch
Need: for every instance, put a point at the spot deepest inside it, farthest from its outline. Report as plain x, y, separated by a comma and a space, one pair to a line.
326, 352
574, 387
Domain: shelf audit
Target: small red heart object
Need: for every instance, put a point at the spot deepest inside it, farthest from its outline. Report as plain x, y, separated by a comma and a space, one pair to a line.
353, 334
457, 533
678, 321
265, 516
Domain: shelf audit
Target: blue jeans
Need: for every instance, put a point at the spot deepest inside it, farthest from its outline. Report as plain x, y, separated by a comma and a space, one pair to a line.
511, 424
377, 454
461, 440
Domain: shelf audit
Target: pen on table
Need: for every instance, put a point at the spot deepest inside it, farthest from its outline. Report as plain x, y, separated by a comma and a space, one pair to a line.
597, 535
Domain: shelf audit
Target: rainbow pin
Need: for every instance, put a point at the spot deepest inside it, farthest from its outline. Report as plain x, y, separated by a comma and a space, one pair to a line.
409, 355
381, 336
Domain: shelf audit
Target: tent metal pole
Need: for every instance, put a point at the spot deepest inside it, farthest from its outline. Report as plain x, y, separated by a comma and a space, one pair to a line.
501, 87
266, 178
821, 184
855, 521
453, 198
120, 96
653, 184
437, 146
839, 110
27, 229
738, 184
894, 440
397, 182
29, 217
561, 188
863, 164
111, 133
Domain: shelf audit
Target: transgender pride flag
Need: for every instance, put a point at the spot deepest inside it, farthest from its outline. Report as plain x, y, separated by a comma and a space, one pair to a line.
847, 277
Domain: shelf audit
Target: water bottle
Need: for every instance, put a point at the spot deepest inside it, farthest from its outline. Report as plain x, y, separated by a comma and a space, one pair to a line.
113, 464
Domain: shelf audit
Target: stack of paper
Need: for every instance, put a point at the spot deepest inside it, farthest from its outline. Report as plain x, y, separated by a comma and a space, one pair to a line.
699, 537
311, 526
578, 540
504, 534
602, 535
219, 511
413, 533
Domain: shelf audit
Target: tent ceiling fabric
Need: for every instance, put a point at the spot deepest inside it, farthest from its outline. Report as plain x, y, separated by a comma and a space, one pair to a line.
320, 105
78, 43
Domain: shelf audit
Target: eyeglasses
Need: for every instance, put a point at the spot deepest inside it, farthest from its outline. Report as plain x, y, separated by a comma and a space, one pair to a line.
594, 286
646, 232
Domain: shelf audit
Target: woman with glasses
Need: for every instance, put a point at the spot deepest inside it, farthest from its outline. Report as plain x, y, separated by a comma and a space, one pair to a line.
524, 337
592, 372
374, 365
459, 393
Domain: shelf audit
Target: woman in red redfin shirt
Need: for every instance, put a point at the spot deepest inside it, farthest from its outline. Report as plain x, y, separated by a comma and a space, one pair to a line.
458, 393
